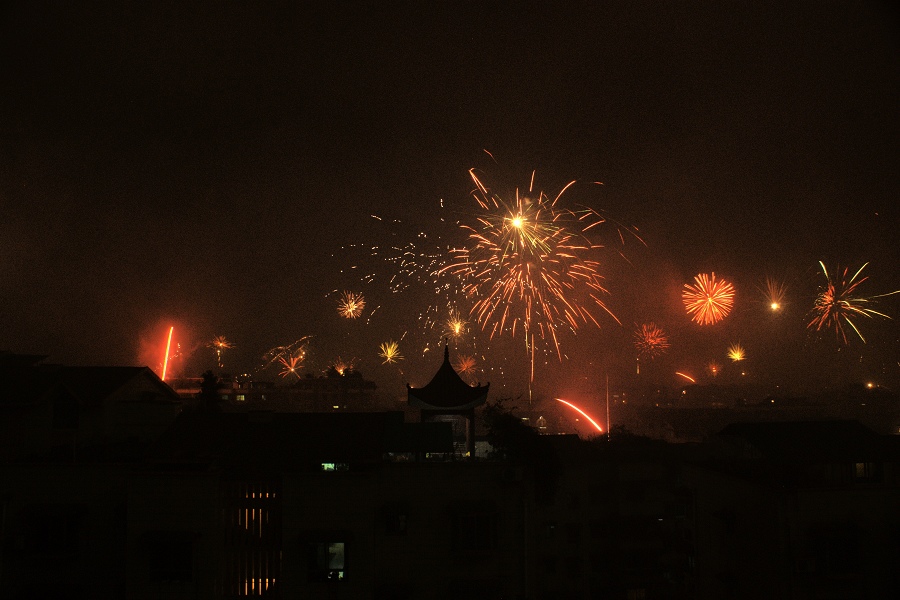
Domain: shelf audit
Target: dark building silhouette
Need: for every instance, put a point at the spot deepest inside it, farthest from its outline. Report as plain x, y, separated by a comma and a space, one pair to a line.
447, 396
368, 505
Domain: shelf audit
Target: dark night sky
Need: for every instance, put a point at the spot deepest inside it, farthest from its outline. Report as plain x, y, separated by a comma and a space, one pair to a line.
215, 165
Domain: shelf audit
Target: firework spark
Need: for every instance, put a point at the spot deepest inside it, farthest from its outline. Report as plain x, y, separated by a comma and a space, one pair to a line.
390, 352
709, 301
714, 368
219, 344
650, 340
529, 262
688, 377
351, 305
775, 293
838, 303
736, 352
168, 349
582, 413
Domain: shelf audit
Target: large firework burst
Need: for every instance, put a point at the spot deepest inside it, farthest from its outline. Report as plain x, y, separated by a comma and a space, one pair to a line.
530, 264
351, 305
650, 340
838, 302
709, 300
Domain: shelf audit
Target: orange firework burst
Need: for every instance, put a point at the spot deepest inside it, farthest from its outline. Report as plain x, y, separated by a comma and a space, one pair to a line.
465, 365
713, 368
709, 301
837, 303
530, 264
290, 356
341, 366
291, 364
390, 352
650, 340
736, 352
220, 345
351, 305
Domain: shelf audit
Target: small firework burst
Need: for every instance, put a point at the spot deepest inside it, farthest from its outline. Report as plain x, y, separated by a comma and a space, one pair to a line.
736, 352
838, 303
456, 326
390, 352
351, 305
714, 368
709, 300
341, 366
775, 293
284, 355
220, 345
650, 340
291, 364
465, 366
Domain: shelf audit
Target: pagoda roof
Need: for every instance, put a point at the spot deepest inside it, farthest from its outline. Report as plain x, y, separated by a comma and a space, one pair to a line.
447, 390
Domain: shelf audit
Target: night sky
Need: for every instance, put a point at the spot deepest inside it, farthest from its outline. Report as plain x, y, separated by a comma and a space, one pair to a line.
216, 167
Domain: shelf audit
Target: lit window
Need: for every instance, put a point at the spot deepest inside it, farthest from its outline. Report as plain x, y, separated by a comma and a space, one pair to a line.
240, 398
327, 561
335, 467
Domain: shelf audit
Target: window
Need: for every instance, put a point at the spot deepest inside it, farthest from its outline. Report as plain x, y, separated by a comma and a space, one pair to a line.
865, 471
240, 397
335, 467
327, 561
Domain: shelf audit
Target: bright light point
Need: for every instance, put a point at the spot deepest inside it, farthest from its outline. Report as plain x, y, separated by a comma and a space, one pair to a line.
870, 385
775, 306
517, 222
582, 413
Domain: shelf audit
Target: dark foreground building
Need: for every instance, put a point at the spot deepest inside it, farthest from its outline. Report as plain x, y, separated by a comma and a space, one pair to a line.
366, 505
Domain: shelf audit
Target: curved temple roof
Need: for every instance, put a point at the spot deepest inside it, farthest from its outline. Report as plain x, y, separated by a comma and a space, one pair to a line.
447, 390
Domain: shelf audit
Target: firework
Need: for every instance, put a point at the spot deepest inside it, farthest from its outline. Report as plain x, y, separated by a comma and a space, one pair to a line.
166, 357
709, 301
465, 365
713, 368
291, 364
285, 355
736, 352
219, 344
688, 377
774, 293
529, 265
650, 340
390, 352
838, 303
456, 326
582, 413
351, 305
341, 366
